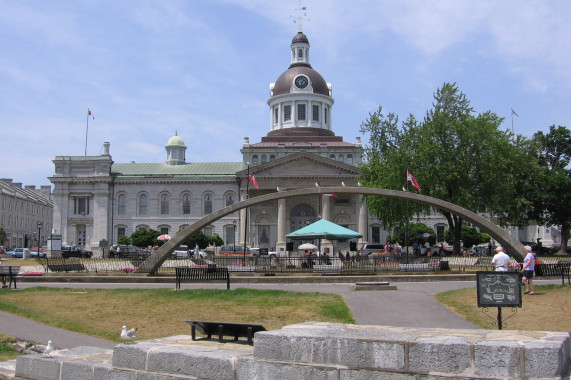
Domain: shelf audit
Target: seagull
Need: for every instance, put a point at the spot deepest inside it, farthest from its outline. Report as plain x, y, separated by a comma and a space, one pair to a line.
49, 348
316, 184
342, 183
128, 334
359, 184
278, 188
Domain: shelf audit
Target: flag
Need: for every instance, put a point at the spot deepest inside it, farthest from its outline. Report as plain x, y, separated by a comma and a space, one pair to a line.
90, 114
252, 179
513, 112
412, 180
331, 195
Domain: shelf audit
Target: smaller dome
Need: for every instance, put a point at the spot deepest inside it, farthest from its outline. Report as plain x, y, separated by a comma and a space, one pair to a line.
176, 141
300, 38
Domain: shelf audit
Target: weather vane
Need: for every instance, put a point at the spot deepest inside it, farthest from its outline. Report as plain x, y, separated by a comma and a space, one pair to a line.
301, 16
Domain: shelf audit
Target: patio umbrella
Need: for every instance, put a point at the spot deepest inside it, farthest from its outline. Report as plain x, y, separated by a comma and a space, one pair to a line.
425, 235
164, 237
307, 247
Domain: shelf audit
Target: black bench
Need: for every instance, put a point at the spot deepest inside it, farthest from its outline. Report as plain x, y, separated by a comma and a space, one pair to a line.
61, 265
560, 269
236, 330
193, 274
10, 271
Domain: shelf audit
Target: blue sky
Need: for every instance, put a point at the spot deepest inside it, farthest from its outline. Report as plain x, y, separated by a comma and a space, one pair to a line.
149, 68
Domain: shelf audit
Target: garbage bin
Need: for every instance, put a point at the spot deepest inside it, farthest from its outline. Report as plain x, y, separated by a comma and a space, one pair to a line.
444, 265
26, 253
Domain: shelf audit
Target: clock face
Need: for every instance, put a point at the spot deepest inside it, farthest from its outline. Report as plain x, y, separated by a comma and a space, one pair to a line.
301, 81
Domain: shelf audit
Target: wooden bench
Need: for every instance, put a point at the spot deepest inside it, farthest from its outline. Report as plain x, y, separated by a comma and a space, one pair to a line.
190, 274
10, 271
327, 269
415, 267
235, 330
560, 269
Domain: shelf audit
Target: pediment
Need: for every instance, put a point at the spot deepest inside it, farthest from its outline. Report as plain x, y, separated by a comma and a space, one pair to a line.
303, 165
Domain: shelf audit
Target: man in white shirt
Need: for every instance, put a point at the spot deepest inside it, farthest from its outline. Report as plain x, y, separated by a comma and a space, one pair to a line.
501, 260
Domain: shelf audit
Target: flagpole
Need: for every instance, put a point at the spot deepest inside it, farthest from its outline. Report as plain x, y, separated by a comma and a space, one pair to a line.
86, 130
246, 217
406, 222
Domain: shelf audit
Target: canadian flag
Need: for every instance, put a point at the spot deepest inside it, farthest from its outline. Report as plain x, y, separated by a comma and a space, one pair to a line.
252, 179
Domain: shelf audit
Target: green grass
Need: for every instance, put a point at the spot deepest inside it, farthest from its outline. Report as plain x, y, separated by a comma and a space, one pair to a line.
162, 312
7, 352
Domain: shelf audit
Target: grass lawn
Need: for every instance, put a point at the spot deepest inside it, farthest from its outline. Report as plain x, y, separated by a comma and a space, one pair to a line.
548, 310
162, 312
7, 352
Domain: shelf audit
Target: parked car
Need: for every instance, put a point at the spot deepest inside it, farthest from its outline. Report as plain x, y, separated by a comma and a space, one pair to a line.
264, 252
556, 247
535, 248
233, 250
35, 253
181, 251
73, 251
201, 254
367, 249
16, 253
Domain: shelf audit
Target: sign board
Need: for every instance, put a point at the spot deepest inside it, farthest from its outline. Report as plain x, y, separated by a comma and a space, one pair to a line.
498, 289
263, 251
54, 242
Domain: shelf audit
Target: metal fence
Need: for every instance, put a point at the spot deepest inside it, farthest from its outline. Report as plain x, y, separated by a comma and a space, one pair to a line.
372, 264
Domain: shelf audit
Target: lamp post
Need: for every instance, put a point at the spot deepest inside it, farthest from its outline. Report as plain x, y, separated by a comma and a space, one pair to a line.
234, 237
39, 236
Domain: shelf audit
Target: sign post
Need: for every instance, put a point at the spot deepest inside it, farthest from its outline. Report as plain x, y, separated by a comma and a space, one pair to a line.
499, 289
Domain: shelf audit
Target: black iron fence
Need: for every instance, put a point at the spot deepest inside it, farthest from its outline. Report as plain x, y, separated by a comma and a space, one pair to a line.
372, 264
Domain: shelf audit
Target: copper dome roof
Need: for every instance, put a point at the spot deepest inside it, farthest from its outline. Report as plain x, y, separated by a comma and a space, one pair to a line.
284, 82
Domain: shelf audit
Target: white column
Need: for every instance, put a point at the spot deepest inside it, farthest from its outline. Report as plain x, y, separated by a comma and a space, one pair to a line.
363, 221
281, 222
325, 209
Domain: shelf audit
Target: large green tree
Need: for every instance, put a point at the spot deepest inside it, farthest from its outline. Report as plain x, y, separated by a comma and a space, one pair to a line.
145, 238
455, 155
550, 186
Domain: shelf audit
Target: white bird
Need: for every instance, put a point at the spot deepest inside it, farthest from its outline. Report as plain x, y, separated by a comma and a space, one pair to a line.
128, 334
278, 188
342, 183
359, 184
316, 184
47, 349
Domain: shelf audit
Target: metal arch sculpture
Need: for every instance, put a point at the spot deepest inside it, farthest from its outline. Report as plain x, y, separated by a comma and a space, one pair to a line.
512, 245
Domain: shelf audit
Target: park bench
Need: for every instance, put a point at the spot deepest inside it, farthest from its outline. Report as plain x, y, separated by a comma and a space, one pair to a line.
10, 271
241, 268
560, 269
61, 265
223, 329
327, 269
415, 267
190, 274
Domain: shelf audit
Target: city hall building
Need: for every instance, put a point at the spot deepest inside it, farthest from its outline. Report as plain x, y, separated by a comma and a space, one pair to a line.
96, 199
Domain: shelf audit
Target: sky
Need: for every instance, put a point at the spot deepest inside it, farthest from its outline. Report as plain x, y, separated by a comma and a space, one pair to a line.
147, 69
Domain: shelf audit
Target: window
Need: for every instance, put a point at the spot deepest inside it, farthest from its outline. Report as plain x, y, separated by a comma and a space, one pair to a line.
439, 233
121, 204
300, 53
332, 156
81, 206
287, 113
207, 204
264, 234
264, 158
120, 231
301, 112
315, 113
229, 199
164, 230
143, 204
276, 115
272, 157
325, 113
376, 234
209, 231
350, 159
255, 159
229, 234
164, 204
186, 204
341, 158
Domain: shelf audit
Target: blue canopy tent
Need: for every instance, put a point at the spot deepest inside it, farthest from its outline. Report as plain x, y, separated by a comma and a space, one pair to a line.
323, 229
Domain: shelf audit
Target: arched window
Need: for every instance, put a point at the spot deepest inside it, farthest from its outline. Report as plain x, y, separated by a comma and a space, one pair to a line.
122, 204
332, 156
143, 204
164, 204
255, 159
341, 158
229, 199
300, 53
264, 158
207, 204
186, 204
272, 157
350, 159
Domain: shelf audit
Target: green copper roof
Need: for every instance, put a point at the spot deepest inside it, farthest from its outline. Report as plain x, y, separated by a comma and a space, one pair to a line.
193, 169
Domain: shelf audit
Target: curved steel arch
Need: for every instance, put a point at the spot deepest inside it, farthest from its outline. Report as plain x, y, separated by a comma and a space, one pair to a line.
512, 245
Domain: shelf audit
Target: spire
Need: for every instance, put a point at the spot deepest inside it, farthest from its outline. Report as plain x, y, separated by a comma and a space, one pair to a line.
300, 17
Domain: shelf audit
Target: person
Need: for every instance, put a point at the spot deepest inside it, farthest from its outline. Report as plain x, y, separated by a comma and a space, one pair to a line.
416, 248
441, 249
427, 246
501, 260
527, 270
3, 279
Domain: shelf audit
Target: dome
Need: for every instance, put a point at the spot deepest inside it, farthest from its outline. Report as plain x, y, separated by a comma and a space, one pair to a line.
284, 82
300, 38
176, 141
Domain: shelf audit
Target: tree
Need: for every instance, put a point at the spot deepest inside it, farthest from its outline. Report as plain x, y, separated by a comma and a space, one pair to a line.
470, 236
415, 230
550, 187
198, 238
455, 155
145, 238
124, 240
216, 240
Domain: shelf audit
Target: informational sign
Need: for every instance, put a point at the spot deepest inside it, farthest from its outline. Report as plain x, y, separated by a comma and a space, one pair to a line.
54, 242
263, 251
498, 289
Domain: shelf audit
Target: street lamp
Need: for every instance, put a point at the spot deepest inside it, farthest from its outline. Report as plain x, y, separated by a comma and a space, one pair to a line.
39, 236
234, 238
